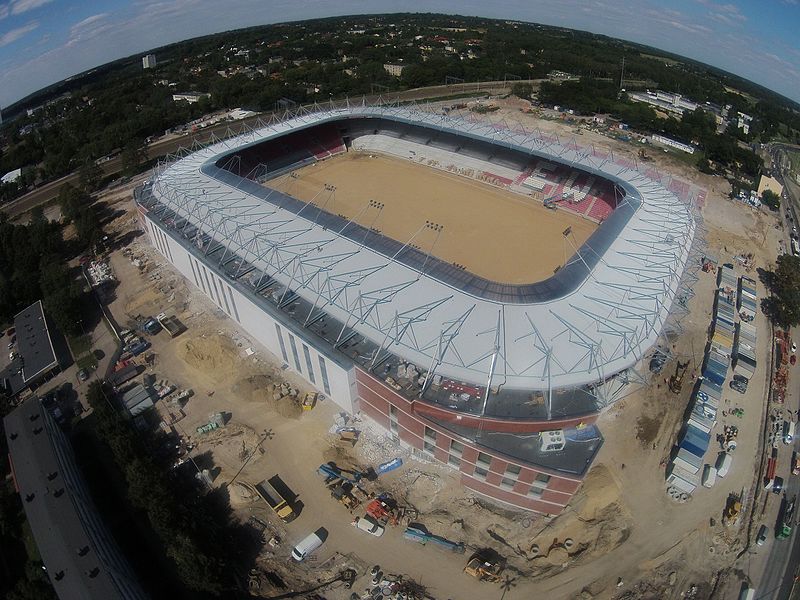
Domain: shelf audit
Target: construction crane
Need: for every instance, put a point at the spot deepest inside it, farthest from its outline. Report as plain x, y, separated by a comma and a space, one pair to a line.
676, 381
553, 200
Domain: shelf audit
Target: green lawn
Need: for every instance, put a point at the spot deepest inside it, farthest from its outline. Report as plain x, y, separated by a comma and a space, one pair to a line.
80, 345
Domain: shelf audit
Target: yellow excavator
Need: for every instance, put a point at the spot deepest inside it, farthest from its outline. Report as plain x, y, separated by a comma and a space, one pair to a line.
484, 568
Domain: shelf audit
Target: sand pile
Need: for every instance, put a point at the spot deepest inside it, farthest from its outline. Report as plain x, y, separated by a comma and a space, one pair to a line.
258, 388
598, 523
209, 353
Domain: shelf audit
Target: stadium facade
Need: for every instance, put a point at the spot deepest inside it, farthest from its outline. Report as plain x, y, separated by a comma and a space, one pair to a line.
502, 382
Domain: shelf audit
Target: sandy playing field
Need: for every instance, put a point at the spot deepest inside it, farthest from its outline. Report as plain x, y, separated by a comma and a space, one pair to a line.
493, 233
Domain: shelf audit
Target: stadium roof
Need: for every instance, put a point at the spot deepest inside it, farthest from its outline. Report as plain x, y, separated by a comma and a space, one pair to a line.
80, 556
600, 326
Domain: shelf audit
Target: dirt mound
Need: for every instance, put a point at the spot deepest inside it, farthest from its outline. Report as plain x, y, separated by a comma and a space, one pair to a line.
289, 407
241, 494
209, 353
258, 388
599, 523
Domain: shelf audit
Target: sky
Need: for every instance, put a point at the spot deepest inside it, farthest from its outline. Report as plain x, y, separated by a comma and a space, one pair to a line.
45, 41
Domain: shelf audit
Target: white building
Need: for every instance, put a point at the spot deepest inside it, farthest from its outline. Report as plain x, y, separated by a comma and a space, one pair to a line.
743, 122
149, 61
665, 141
394, 70
190, 97
11, 176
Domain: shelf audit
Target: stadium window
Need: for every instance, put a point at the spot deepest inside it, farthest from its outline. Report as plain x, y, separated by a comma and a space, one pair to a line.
480, 473
323, 370
512, 471
430, 434
283, 345
542, 479
484, 459
535, 492
295, 356
456, 448
428, 447
507, 484
308, 364
454, 461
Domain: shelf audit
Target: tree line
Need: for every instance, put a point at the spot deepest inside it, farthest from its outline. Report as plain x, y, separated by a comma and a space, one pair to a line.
121, 105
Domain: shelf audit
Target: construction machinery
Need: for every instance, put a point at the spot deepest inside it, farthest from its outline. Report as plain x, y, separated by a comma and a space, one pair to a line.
417, 532
643, 155
552, 201
786, 518
332, 472
676, 381
733, 509
484, 568
383, 509
342, 491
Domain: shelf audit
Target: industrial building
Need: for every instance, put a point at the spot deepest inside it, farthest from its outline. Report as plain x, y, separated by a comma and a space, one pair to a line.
39, 353
501, 382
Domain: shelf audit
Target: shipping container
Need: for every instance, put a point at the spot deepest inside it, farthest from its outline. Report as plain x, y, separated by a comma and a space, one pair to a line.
688, 461
682, 479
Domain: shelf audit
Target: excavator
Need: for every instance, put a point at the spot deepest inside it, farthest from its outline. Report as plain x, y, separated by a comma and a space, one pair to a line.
484, 568
676, 381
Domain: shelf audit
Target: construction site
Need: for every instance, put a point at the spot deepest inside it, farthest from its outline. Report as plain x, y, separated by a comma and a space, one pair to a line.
397, 521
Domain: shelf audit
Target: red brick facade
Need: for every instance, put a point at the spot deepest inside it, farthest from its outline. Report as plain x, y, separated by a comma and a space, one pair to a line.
524, 486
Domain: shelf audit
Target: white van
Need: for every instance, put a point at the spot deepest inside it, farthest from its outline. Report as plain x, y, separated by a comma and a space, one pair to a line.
709, 476
788, 431
723, 465
309, 544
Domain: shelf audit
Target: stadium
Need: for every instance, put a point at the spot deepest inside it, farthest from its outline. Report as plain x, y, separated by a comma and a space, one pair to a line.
480, 291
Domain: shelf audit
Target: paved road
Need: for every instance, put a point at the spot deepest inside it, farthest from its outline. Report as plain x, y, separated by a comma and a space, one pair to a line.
169, 145
777, 580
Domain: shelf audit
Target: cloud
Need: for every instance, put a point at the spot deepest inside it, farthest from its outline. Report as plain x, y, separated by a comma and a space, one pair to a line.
18, 7
12, 36
88, 28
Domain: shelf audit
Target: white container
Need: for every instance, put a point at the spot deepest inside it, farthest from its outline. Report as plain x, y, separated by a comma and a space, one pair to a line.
709, 476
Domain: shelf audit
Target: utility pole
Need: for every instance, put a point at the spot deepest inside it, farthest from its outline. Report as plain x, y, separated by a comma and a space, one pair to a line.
622, 75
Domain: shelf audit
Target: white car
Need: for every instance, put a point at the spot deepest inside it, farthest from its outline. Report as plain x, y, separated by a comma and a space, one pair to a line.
370, 525
794, 347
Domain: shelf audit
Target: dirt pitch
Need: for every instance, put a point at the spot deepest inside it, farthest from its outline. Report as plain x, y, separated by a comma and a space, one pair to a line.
491, 232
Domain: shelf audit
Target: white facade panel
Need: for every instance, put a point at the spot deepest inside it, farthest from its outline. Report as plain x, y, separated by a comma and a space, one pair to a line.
334, 381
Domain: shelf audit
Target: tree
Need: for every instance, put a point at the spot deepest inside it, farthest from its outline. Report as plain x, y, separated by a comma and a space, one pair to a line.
522, 90
133, 155
783, 306
89, 176
771, 199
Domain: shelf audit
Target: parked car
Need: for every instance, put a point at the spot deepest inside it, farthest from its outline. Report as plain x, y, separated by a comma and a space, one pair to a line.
777, 485
795, 464
739, 385
83, 375
370, 525
761, 538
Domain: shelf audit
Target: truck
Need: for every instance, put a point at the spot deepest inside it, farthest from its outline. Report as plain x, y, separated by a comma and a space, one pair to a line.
171, 324
277, 495
137, 347
125, 374
786, 518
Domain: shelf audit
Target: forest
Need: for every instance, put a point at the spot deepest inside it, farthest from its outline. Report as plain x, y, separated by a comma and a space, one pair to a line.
119, 104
